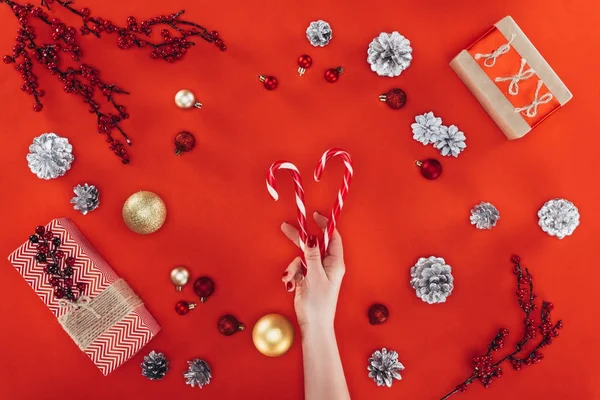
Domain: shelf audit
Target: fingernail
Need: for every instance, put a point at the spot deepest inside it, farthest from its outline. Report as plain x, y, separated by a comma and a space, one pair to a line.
312, 242
288, 286
284, 274
304, 270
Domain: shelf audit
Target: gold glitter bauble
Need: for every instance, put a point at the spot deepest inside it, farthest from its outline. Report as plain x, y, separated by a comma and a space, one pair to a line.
273, 335
144, 212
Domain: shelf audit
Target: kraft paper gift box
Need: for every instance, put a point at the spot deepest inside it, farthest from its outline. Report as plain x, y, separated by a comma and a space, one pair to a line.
112, 324
511, 79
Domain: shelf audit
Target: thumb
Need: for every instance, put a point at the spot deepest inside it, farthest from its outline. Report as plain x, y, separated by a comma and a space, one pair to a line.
312, 255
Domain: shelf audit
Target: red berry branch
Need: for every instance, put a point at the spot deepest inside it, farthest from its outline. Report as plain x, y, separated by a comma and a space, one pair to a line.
485, 370
83, 80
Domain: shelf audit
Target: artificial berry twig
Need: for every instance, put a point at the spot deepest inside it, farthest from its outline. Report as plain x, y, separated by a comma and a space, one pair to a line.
83, 80
485, 370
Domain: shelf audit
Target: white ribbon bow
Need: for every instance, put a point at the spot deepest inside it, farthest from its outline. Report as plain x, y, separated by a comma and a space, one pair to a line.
81, 302
531, 109
490, 59
513, 88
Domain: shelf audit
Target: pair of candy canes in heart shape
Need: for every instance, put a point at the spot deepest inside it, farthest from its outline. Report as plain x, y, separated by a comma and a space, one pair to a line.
299, 189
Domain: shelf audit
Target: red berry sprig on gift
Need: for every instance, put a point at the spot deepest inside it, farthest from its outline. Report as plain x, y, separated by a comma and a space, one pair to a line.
60, 277
485, 370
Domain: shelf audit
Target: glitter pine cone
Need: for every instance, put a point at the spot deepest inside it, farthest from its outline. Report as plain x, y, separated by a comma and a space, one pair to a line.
389, 54
50, 156
426, 128
198, 373
155, 366
484, 216
86, 198
384, 367
559, 217
432, 280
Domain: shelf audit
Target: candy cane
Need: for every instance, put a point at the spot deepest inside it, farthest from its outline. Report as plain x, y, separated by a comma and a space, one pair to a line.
343, 192
303, 232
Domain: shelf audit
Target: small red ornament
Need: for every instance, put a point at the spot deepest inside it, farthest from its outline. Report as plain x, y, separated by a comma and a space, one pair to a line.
228, 325
378, 314
184, 141
204, 288
333, 74
431, 169
40, 230
183, 307
394, 98
269, 82
304, 63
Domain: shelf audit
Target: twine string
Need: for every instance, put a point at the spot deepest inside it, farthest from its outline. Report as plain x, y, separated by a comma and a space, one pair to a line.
531, 109
491, 58
522, 75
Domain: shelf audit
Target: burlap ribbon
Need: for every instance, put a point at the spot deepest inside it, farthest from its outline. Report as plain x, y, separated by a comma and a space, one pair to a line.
87, 319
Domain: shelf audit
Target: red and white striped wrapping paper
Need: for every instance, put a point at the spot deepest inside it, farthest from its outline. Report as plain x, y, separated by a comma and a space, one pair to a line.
118, 343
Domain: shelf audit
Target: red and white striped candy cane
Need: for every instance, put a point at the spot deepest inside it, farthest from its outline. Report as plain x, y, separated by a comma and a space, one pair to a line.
342, 193
271, 187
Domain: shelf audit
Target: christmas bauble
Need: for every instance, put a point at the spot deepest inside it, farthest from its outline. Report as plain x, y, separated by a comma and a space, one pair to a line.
378, 314
333, 74
394, 98
183, 307
204, 288
186, 99
228, 325
269, 82
184, 141
431, 169
179, 277
304, 62
144, 212
273, 335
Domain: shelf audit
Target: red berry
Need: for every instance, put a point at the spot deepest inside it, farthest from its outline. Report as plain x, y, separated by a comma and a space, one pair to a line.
59, 254
504, 332
68, 282
59, 293
81, 286
54, 281
70, 261
40, 230
48, 235
215, 34
431, 169
515, 259
37, 107
8, 59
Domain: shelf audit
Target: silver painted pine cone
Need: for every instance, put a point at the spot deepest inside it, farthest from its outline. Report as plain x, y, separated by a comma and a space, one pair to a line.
50, 156
451, 141
319, 33
559, 217
484, 216
426, 128
86, 198
198, 373
155, 366
389, 54
384, 366
432, 279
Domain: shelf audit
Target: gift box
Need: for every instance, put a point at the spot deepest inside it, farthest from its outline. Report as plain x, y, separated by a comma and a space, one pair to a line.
511, 79
106, 319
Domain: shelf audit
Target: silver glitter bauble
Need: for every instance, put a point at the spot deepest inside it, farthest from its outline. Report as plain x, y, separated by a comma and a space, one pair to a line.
484, 216
389, 54
384, 366
86, 198
50, 156
319, 33
186, 99
432, 279
559, 217
198, 373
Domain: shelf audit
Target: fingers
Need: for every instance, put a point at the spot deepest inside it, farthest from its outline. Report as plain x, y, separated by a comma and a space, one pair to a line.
312, 257
335, 249
291, 233
292, 274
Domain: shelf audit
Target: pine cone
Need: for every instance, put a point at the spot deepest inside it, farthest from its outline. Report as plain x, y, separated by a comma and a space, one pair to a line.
86, 198
319, 33
426, 128
198, 373
389, 54
484, 216
384, 366
432, 279
559, 217
50, 156
451, 141
155, 366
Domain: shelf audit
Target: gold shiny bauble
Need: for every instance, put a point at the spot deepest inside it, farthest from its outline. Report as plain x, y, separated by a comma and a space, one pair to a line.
186, 99
180, 276
144, 212
273, 335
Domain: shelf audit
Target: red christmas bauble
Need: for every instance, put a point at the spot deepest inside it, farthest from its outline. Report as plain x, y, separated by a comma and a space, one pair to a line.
204, 287
305, 61
378, 314
394, 98
333, 74
183, 307
228, 325
184, 141
431, 169
269, 82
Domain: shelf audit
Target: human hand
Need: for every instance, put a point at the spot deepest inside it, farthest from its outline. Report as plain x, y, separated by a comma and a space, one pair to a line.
317, 285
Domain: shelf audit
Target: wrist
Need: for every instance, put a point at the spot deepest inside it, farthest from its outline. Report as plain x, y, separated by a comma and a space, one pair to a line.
317, 329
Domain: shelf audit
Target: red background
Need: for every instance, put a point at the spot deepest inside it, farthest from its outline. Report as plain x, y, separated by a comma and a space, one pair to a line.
221, 221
